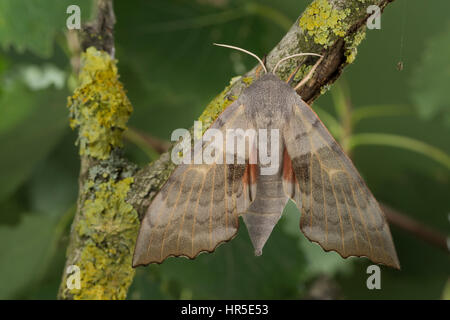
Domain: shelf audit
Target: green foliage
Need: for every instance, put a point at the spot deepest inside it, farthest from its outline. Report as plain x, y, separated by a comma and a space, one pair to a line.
317, 261
30, 139
26, 247
53, 186
33, 25
430, 79
14, 107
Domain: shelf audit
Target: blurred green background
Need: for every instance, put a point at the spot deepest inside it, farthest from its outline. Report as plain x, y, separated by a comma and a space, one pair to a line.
171, 71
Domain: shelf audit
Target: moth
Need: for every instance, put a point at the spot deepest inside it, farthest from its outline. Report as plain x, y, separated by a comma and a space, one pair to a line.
199, 206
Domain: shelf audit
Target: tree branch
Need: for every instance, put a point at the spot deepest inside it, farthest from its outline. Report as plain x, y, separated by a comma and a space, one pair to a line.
105, 226
414, 227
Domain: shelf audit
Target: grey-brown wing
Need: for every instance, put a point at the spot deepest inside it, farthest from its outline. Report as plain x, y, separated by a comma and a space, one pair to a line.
198, 207
338, 210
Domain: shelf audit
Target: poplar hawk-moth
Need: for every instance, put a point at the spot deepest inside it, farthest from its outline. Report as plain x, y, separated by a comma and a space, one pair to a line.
199, 206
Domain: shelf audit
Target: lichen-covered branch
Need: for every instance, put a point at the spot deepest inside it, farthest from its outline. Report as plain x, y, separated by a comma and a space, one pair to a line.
111, 193
105, 225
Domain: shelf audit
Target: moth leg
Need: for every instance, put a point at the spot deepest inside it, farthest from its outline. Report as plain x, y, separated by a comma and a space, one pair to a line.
291, 76
309, 75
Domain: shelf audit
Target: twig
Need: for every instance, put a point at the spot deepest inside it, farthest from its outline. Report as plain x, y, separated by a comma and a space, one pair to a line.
149, 144
416, 228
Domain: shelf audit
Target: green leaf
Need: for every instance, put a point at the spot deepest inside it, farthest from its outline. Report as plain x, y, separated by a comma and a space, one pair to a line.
54, 184
318, 261
148, 285
24, 252
32, 138
33, 24
15, 105
423, 275
430, 79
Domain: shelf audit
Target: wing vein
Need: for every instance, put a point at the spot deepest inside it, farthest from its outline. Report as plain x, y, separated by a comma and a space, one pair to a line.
184, 215
158, 216
339, 213
362, 219
196, 211
172, 211
324, 200
211, 205
351, 219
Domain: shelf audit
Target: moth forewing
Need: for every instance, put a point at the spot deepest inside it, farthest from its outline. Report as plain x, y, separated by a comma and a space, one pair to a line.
338, 210
198, 206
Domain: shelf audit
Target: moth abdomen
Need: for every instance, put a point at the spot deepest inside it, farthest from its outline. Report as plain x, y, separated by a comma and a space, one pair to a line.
260, 226
265, 211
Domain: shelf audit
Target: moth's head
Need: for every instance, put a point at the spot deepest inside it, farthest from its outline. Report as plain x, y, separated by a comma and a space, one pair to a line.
268, 78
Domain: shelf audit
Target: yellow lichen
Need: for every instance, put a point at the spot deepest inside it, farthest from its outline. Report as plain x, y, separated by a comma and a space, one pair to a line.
99, 107
109, 228
302, 72
353, 43
321, 21
247, 80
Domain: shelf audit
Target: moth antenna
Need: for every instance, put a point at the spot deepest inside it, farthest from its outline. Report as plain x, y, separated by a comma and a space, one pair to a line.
243, 50
293, 56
